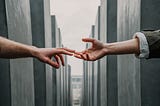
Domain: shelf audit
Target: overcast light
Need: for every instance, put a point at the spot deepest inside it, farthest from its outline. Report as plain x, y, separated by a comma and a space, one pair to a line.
75, 18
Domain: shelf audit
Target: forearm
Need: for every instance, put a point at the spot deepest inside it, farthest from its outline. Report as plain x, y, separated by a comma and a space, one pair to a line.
11, 49
124, 47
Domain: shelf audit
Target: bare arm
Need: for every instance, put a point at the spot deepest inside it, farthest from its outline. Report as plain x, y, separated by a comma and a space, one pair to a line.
11, 49
124, 47
99, 49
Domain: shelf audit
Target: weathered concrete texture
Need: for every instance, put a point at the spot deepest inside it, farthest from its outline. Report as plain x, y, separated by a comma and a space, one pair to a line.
112, 92
86, 84
90, 74
69, 100
103, 61
56, 72
62, 86
150, 69
3, 22
96, 99
54, 34
128, 66
91, 71
48, 44
5, 97
21, 70
38, 34
65, 81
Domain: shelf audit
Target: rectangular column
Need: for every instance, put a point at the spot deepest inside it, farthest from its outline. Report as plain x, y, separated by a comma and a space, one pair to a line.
112, 85
69, 87
21, 70
38, 40
96, 63
65, 80
5, 90
48, 44
128, 66
91, 71
103, 61
55, 84
150, 80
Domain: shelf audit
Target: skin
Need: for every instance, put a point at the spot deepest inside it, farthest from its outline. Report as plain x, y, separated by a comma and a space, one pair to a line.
10, 49
99, 49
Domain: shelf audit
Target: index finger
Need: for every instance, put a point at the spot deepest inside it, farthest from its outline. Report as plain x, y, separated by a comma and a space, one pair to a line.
62, 51
88, 40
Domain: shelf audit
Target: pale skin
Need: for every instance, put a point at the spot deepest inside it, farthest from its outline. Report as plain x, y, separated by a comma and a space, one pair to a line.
99, 49
11, 49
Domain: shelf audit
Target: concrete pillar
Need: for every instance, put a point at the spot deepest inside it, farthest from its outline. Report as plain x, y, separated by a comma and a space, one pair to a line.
87, 82
55, 84
59, 71
128, 66
21, 70
103, 61
48, 44
5, 90
69, 87
65, 81
84, 84
150, 81
112, 92
91, 71
96, 63
38, 39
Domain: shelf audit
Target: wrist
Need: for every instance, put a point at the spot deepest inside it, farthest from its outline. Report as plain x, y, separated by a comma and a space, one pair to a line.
33, 51
106, 48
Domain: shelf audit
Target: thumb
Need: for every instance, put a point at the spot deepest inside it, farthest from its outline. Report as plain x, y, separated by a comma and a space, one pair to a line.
88, 40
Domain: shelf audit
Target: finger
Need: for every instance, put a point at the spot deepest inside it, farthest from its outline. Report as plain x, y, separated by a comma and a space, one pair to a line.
52, 63
87, 55
57, 59
78, 53
61, 58
70, 50
78, 56
61, 51
88, 40
84, 56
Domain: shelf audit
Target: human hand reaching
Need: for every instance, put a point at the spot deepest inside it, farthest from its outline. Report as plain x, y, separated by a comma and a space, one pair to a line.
95, 52
45, 55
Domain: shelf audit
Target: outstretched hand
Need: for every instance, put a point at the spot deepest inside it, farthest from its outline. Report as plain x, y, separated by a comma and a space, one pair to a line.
45, 55
95, 52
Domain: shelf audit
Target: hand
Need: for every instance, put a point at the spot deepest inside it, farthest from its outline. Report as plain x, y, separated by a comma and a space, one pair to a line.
95, 52
45, 55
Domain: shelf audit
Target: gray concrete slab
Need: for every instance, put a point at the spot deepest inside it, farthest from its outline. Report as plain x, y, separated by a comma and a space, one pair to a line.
69, 87
21, 70
128, 66
58, 71
48, 44
150, 81
96, 63
91, 71
5, 90
112, 92
103, 61
54, 34
38, 39
86, 92
66, 81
